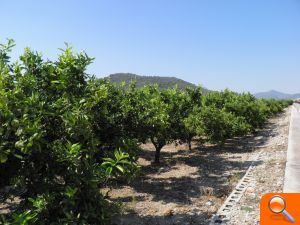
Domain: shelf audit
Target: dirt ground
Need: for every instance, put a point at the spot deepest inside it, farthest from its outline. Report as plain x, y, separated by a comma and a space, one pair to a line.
190, 186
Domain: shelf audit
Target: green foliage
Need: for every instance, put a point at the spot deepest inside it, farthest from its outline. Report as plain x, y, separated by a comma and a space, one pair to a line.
272, 106
25, 218
245, 112
153, 118
55, 131
218, 125
189, 112
119, 166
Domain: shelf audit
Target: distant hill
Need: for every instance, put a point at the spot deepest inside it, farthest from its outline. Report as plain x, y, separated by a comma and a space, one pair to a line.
276, 95
162, 82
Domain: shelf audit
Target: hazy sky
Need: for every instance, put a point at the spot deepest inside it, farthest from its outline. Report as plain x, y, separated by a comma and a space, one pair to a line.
245, 45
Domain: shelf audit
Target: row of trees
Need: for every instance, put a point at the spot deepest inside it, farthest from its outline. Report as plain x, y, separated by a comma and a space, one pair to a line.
173, 115
64, 135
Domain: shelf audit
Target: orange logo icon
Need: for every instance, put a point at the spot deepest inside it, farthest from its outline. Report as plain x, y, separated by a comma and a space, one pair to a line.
280, 208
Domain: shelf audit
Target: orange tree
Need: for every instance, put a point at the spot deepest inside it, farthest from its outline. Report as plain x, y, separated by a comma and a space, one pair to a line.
159, 115
152, 121
57, 142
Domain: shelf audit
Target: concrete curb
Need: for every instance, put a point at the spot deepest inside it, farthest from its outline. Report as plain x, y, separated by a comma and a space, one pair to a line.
292, 170
224, 213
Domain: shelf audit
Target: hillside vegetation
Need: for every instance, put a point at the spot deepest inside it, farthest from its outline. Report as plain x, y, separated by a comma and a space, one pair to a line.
162, 82
64, 135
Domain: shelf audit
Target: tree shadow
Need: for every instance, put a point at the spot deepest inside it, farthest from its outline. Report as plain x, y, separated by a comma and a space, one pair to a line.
199, 218
211, 175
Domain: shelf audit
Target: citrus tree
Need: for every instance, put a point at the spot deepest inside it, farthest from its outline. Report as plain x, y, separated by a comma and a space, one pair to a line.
58, 140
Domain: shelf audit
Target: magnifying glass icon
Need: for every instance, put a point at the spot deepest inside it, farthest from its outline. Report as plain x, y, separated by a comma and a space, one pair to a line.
277, 205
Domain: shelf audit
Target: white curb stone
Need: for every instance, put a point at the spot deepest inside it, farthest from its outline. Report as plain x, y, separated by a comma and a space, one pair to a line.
292, 171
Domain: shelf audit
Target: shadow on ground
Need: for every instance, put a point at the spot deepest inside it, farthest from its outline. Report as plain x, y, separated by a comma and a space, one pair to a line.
178, 219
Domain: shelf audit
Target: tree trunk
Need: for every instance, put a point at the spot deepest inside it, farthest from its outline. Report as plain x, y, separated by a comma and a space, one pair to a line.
158, 146
157, 155
190, 144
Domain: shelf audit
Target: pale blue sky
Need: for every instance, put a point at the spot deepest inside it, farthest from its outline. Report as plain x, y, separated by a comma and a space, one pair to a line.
245, 45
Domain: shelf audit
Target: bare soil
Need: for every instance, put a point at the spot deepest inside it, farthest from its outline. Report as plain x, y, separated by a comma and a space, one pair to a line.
188, 187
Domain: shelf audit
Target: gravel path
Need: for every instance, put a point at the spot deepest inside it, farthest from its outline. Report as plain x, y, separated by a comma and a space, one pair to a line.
268, 174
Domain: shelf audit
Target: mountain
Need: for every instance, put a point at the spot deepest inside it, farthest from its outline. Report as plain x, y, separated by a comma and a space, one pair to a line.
276, 95
162, 82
